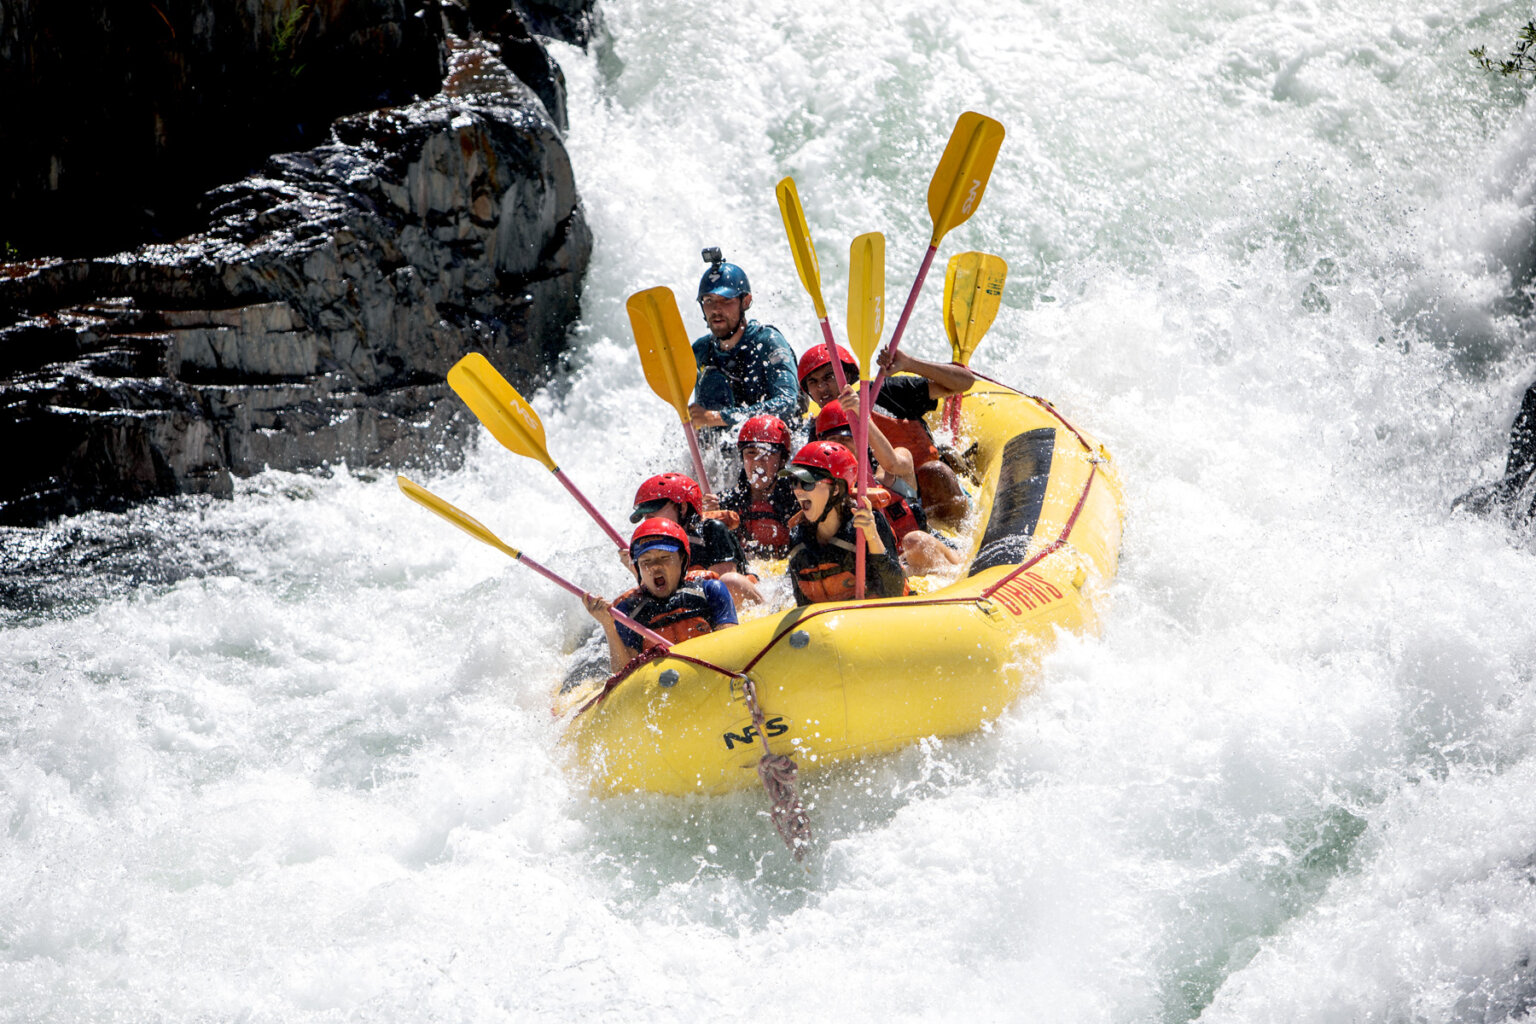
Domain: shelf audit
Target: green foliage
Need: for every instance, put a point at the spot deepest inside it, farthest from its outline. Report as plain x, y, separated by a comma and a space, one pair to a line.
285, 43
1521, 61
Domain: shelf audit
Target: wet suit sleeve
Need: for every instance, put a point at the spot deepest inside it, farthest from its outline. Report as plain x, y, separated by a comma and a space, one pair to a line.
629, 637
722, 610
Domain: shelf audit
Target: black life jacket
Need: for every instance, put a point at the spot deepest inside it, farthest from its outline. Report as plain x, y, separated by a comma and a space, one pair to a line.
826, 581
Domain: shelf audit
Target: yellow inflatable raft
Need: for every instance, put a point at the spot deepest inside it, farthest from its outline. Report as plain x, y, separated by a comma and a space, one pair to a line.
843, 680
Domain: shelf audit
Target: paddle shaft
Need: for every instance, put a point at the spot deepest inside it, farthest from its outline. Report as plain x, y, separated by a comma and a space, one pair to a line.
901, 324
698, 456
597, 516
558, 580
837, 364
861, 449
476, 529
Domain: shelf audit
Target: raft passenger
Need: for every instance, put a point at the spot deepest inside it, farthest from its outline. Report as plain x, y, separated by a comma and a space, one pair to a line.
668, 600
822, 559
921, 550
905, 400
763, 501
713, 548
745, 368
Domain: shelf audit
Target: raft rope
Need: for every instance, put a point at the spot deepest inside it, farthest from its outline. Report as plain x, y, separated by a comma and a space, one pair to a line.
778, 771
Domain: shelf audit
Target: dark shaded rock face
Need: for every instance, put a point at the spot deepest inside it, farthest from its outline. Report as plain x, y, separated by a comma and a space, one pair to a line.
315, 316
180, 96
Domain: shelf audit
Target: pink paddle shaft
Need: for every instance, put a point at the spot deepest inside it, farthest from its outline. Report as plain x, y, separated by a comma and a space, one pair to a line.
837, 364
594, 513
906, 312
867, 396
698, 457
618, 616
861, 452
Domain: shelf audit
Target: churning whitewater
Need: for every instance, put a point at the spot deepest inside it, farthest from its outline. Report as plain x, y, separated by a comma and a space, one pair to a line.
290, 758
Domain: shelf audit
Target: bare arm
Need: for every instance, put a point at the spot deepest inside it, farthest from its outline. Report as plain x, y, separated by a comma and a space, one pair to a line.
944, 379
896, 462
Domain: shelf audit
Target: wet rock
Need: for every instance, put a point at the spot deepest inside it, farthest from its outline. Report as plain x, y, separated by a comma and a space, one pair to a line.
313, 319
119, 116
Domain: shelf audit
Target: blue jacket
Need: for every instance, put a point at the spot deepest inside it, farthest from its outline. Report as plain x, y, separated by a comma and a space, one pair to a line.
755, 377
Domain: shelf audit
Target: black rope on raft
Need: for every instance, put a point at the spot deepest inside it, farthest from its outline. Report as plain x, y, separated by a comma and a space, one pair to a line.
777, 772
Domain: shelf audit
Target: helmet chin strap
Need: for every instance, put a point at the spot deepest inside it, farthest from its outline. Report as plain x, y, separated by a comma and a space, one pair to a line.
832, 499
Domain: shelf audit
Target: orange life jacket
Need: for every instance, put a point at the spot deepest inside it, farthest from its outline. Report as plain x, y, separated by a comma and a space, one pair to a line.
909, 434
763, 526
681, 616
897, 511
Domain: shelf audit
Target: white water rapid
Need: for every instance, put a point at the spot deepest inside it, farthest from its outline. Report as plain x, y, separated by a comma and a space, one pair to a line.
289, 757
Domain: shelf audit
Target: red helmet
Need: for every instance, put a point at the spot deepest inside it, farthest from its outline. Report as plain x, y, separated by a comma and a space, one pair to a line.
657, 532
764, 429
667, 487
832, 420
815, 358
822, 459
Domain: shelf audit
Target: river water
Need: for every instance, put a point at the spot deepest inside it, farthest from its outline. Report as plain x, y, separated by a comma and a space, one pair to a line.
289, 757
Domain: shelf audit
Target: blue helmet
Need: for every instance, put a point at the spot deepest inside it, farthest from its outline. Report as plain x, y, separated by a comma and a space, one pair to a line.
724, 279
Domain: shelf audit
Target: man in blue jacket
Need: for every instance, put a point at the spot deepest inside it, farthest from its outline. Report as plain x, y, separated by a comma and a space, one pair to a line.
746, 368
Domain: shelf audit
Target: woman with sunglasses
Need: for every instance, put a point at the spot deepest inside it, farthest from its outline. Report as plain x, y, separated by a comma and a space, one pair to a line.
822, 559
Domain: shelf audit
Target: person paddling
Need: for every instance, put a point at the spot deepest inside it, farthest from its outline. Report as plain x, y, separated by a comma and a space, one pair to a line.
822, 549
921, 550
674, 604
745, 368
905, 400
713, 547
763, 501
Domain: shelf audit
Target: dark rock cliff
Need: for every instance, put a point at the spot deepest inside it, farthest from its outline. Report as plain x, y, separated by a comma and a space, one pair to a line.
313, 315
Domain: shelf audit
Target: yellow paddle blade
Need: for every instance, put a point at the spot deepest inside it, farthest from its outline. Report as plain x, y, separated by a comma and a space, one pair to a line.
973, 289
800, 243
958, 184
455, 515
496, 404
666, 353
866, 296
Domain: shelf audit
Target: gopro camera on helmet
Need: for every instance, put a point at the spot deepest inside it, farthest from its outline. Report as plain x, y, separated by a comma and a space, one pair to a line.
713, 255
